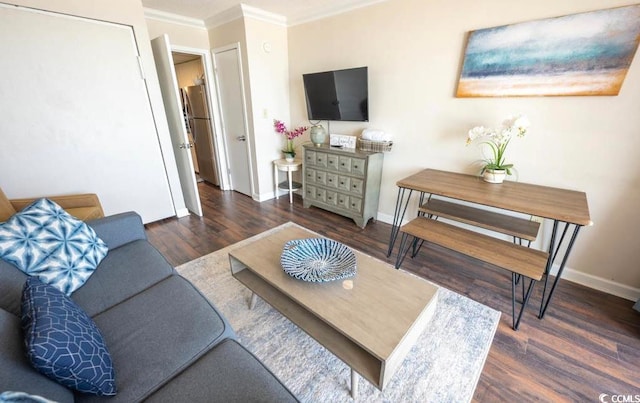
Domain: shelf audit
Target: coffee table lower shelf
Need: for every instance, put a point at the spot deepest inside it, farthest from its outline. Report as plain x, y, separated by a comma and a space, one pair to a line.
360, 360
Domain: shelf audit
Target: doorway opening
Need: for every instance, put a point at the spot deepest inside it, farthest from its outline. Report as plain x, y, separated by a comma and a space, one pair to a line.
196, 110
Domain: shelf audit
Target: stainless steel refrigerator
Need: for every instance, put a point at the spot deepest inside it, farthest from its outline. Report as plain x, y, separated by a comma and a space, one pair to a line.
201, 129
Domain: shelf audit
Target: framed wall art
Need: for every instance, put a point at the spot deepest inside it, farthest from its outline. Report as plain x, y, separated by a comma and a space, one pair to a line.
579, 54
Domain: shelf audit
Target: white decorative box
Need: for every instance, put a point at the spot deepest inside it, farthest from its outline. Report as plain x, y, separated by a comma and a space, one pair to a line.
341, 140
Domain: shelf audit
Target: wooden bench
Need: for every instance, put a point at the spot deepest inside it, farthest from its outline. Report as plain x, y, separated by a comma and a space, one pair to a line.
519, 260
505, 224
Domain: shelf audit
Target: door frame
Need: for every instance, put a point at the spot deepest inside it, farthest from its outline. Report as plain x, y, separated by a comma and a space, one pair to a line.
219, 145
245, 115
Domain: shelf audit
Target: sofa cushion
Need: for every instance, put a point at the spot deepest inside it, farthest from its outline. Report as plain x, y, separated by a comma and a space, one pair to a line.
119, 229
63, 343
46, 241
15, 371
116, 230
124, 272
156, 334
227, 373
11, 282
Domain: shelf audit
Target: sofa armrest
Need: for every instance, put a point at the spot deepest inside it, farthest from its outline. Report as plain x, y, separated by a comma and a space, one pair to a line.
82, 206
119, 229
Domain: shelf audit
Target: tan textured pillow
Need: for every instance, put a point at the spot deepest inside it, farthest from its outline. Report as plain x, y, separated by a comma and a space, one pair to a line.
6, 209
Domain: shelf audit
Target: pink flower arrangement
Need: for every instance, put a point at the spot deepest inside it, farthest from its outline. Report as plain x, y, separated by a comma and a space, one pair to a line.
280, 128
291, 134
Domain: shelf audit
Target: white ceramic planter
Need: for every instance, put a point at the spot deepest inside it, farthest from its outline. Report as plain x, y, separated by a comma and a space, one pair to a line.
494, 175
289, 157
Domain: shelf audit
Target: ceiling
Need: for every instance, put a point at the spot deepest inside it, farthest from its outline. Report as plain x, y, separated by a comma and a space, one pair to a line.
293, 10
183, 57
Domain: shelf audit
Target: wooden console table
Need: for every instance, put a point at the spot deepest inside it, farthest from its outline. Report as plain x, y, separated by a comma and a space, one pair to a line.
566, 208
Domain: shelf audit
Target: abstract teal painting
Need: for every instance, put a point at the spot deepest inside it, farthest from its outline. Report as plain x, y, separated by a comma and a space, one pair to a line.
579, 54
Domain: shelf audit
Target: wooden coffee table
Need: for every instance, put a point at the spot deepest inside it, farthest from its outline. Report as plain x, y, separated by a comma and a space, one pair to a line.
369, 321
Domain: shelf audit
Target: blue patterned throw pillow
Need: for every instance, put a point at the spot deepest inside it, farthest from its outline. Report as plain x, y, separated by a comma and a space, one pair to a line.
44, 240
62, 341
22, 397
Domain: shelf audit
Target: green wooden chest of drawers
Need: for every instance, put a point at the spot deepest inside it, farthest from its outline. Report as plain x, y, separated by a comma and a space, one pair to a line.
343, 181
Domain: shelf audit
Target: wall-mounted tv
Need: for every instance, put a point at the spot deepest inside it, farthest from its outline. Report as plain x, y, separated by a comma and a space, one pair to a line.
338, 95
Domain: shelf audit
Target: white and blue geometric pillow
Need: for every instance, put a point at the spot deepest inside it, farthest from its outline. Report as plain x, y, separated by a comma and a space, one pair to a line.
63, 343
44, 240
22, 397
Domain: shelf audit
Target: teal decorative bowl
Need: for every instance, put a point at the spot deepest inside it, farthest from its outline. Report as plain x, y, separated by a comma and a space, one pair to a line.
318, 260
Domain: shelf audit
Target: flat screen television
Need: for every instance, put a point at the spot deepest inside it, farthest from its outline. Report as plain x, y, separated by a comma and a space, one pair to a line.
338, 95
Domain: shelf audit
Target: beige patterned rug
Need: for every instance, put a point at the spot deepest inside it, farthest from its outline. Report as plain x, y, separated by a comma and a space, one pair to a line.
443, 366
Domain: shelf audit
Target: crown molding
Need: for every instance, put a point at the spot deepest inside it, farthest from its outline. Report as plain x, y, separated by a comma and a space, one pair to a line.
262, 15
324, 12
163, 16
223, 17
244, 11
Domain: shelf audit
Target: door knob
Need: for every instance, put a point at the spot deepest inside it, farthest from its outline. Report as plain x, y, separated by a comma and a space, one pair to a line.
241, 138
186, 146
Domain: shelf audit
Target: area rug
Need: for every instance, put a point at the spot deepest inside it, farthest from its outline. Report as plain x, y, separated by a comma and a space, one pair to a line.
443, 366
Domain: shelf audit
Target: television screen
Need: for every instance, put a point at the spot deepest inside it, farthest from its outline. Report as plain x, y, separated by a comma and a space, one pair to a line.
338, 95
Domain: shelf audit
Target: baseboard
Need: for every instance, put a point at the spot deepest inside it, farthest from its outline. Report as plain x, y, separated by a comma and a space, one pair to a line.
575, 276
599, 283
264, 196
272, 195
183, 212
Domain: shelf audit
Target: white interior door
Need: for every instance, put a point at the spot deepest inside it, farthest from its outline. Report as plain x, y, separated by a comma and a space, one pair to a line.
173, 108
232, 108
76, 115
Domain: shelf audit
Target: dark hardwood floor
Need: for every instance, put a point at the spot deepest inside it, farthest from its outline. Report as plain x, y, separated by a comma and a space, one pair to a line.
588, 342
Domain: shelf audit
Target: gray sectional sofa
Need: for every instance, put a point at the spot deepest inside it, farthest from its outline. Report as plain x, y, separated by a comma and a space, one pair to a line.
168, 343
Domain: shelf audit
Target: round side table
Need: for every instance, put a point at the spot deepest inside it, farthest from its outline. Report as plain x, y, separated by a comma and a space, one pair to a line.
289, 185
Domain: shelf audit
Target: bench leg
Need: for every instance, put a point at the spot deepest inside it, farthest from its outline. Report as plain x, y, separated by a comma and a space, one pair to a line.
518, 278
525, 299
553, 251
416, 247
518, 241
398, 216
402, 250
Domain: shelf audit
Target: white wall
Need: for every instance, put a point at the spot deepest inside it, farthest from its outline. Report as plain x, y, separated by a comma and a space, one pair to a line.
266, 82
269, 82
127, 13
179, 35
414, 52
